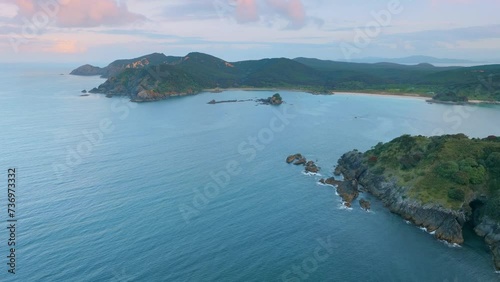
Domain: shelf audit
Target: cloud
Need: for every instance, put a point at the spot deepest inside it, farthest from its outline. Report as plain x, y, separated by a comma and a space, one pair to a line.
254, 10
67, 47
243, 11
7, 10
78, 13
452, 35
246, 11
293, 10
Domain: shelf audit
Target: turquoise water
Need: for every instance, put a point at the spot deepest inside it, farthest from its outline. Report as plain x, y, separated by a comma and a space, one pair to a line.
102, 182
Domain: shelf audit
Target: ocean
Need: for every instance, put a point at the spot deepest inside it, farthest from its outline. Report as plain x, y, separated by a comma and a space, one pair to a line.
180, 190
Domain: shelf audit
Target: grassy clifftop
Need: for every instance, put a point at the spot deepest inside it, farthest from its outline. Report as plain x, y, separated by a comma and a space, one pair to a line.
449, 170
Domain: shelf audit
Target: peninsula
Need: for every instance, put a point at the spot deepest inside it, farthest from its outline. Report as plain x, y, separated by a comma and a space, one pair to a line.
443, 183
157, 76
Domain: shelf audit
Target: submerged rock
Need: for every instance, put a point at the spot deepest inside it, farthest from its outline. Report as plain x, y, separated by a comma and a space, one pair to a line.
301, 161
290, 159
330, 181
312, 167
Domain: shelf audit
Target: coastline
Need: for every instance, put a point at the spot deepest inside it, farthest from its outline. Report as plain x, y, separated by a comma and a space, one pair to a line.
219, 90
360, 93
343, 92
381, 93
385, 94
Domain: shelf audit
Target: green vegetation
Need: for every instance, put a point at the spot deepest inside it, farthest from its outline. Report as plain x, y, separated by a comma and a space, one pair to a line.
277, 98
198, 71
449, 170
450, 96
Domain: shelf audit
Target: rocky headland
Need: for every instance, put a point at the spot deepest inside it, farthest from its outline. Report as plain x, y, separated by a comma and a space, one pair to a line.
443, 183
446, 223
411, 174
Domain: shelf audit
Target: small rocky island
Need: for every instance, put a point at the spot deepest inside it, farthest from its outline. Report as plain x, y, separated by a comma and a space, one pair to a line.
275, 100
298, 159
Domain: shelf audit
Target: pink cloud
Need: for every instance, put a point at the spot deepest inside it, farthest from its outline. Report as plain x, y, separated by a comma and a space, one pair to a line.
246, 11
254, 10
67, 47
80, 13
291, 9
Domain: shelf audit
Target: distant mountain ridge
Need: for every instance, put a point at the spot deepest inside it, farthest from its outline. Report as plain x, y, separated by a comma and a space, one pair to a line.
416, 60
156, 76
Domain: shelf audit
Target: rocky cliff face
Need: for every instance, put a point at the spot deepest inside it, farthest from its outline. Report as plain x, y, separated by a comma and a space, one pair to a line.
149, 84
445, 224
490, 231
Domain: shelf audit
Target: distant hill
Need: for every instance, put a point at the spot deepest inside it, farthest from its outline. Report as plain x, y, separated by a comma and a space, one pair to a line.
416, 60
119, 65
157, 76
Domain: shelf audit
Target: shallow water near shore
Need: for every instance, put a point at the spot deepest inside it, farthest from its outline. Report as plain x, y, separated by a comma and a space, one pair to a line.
113, 211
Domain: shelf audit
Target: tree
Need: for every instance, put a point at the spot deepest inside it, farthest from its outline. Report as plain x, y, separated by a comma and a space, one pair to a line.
493, 160
447, 169
456, 194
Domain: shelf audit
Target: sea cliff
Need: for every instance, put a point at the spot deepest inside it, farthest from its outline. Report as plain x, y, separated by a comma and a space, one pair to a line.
446, 223
414, 178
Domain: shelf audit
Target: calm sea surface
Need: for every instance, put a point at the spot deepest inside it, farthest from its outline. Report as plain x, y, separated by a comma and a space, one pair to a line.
179, 190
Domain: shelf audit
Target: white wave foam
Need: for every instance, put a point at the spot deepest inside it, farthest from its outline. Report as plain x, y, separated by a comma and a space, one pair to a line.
423, 229
344, 207
311, 173
427, 230
324, 184
451, 245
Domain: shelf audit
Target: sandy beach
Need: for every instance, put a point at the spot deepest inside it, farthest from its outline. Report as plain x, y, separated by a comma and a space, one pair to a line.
354, 93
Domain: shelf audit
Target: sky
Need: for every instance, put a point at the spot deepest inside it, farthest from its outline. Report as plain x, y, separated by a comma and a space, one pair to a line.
100, 31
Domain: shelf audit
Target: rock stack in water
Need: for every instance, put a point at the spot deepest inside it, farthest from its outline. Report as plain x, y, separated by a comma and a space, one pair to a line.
298, 159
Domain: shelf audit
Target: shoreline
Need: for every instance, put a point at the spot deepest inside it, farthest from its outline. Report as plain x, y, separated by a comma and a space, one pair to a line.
342, 92
360, 93
385, 94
